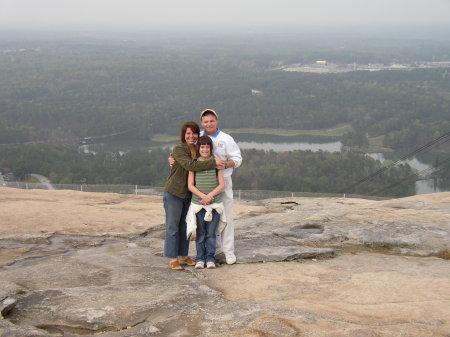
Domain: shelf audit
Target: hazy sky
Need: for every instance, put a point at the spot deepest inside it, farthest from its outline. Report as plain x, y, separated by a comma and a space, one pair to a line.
91, 14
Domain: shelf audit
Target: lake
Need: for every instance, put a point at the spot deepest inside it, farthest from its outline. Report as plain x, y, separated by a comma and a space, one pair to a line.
422, 186
278, 147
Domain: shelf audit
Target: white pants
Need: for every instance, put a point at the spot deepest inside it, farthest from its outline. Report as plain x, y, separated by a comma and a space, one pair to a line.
225, 241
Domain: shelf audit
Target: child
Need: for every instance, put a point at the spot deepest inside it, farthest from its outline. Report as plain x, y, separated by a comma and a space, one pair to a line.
206, 210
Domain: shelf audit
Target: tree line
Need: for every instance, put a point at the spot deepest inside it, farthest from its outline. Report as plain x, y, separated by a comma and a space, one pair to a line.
303, 171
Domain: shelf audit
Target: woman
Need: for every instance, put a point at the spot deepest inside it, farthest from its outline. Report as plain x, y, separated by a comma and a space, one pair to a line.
177, 198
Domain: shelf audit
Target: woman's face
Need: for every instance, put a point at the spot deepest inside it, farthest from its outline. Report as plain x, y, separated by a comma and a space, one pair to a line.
190, 136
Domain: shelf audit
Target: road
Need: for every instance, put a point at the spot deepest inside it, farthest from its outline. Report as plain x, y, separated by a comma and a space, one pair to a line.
43, 180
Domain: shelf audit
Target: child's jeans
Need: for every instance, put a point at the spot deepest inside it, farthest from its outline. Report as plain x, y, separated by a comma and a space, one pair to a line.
206, 236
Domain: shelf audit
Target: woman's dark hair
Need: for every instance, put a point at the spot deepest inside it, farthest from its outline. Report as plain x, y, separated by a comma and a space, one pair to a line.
205, 140
189, 125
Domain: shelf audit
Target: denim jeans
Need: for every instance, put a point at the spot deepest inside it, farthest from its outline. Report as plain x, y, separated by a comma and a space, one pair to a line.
206, 236
176, 242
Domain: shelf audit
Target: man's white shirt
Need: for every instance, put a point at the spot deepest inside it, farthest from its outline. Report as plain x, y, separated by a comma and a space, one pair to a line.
225, 148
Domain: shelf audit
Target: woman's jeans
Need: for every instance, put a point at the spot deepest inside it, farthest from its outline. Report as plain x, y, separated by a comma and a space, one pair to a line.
206, 236
176, 243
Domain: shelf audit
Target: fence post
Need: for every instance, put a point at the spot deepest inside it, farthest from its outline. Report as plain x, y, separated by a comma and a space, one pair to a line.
81, 188
136, 190
239, 195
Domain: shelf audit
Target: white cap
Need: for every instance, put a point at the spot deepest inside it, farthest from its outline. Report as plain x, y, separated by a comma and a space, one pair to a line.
209, 110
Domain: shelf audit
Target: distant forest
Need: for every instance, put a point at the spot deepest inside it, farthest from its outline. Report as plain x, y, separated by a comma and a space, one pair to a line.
305, 171
61, 91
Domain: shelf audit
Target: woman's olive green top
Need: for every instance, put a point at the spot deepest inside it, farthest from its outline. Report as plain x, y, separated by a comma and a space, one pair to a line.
176, 183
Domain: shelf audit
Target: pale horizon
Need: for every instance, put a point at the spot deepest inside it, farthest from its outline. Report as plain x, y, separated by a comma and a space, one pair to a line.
233, 15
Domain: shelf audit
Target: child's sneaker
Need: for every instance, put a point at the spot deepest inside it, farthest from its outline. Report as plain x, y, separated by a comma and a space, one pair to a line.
200, 265
210, 265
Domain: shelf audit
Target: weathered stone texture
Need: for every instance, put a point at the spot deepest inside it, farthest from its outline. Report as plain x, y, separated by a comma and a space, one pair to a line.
306, 267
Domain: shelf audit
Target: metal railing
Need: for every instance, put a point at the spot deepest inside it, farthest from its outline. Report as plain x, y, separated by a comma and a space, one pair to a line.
156, 190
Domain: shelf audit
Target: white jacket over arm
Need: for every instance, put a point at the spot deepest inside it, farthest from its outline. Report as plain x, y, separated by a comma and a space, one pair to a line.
191, 218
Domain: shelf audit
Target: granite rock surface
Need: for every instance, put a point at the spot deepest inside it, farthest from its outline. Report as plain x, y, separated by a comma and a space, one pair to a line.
87, 264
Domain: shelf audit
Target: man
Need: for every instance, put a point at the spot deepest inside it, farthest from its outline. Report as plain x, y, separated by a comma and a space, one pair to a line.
224, 148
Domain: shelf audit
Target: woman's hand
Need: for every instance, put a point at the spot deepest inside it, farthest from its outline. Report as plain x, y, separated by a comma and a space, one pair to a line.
171, 159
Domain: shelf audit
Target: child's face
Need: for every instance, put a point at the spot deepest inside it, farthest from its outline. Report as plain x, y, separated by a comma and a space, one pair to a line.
205, 151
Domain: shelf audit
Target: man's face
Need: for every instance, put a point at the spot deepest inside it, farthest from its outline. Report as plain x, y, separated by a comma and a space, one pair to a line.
209, 124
